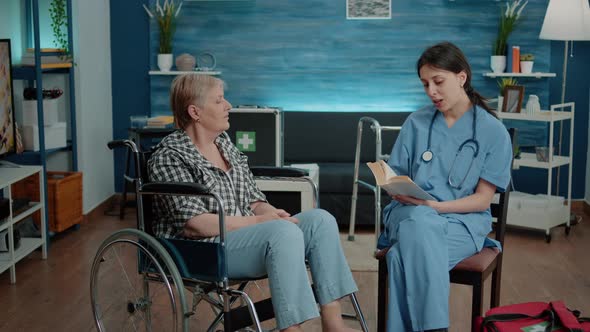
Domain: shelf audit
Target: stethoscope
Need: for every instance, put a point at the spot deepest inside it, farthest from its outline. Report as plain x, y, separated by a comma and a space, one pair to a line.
427, 155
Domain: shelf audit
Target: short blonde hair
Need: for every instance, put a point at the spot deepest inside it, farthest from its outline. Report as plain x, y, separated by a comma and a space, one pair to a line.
189, 89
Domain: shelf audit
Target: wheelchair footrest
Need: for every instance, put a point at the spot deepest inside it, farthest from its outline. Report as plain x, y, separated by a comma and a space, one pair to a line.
240, 317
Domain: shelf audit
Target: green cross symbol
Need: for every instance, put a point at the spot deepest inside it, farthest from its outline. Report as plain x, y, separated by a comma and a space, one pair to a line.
539, 327
246, 141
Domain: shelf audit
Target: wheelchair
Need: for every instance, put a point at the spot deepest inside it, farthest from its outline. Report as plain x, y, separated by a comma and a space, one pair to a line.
142, 282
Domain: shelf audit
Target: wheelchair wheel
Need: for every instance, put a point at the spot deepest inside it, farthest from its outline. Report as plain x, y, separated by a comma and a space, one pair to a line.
135, 285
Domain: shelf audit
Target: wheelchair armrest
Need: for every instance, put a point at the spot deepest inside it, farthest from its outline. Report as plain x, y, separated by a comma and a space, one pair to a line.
123, 143
270, 171
174, 188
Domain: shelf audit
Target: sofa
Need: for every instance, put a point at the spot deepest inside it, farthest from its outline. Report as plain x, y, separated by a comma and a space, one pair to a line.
329, 140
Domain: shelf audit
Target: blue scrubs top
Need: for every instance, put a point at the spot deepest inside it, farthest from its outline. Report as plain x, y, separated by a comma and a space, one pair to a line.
492, 163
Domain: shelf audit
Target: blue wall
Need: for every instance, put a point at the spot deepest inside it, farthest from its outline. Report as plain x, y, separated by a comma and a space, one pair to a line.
305, 56
12, 26
130, 63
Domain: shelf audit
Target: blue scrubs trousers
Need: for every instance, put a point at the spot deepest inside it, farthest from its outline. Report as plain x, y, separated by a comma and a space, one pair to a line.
425, 246
279, 249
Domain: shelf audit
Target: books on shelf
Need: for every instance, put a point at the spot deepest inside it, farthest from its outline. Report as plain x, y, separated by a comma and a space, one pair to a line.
395, 184
47, 50
162, 121
47, 61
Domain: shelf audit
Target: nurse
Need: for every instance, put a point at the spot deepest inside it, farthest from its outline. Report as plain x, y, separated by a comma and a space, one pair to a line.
460, 153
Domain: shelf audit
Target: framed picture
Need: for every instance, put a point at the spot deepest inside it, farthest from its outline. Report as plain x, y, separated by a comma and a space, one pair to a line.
513, 95
368, 9
7, 127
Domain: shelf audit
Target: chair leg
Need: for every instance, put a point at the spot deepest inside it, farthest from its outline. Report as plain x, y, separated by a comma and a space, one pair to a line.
476, 302
495, 296
359, 314
382, 296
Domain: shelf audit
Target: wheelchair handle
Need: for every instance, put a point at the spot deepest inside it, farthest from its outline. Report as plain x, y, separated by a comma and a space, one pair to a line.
123, 143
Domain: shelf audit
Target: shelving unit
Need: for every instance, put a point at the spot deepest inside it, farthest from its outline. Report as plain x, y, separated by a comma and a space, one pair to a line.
545, 219
174, 72
8, 176
531, 75
33, 75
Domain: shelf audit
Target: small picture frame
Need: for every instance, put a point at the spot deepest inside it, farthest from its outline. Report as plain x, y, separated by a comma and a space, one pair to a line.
513, 95
368, 9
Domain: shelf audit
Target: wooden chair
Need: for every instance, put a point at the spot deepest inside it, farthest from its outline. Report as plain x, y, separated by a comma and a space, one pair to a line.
472, 271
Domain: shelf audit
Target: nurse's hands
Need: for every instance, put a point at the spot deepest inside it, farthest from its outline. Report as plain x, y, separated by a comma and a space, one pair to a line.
409, 200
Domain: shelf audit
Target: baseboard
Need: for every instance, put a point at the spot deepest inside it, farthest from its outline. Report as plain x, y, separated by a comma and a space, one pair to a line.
100, 209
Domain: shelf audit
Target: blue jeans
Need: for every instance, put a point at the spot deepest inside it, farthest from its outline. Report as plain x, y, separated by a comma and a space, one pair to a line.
279, 249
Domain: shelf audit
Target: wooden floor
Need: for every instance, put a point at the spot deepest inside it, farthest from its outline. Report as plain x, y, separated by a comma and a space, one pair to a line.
53, 295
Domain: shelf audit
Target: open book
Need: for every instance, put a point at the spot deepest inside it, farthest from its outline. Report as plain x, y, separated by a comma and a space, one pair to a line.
396, 184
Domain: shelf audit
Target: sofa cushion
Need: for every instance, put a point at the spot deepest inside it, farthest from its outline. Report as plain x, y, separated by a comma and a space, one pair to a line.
337, 177
339, 206
316, 137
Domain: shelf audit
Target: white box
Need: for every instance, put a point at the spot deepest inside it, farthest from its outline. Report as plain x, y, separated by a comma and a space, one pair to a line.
282, 185
55, 136
313, 169
536, 211
50, 115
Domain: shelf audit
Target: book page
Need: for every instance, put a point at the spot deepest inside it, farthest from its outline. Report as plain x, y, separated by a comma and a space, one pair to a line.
396, 184
407, 188
387, 171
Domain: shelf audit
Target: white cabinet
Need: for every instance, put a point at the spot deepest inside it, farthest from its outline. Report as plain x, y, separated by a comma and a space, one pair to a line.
546, 215
10, 174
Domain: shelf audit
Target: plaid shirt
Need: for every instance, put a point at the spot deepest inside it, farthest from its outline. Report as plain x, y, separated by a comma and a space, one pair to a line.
177, 159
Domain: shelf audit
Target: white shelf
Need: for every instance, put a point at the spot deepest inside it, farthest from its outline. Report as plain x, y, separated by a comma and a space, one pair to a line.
543, 116
33, 206
545, 218
12, 174
27, 246
9, 176
530, 160
533, 75
4, 224
174, 72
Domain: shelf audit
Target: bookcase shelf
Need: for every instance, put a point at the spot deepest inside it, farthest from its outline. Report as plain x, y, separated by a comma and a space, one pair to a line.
532, 75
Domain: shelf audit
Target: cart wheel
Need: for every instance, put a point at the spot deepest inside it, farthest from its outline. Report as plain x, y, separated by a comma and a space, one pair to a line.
548, 238
567, 230
135, 285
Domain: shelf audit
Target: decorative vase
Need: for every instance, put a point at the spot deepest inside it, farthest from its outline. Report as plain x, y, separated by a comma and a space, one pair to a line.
185, 62
533, 105
498, 63
500, 102
165, 62
526, 67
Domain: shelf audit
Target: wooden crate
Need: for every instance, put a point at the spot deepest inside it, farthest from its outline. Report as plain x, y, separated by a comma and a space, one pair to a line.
64, 198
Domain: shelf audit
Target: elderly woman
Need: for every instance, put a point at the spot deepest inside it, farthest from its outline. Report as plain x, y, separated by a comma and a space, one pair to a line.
261, 239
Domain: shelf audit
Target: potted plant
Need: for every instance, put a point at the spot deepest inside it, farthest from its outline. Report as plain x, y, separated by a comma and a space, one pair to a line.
59, 27
502, 84
526, 63
165, 16
508, 20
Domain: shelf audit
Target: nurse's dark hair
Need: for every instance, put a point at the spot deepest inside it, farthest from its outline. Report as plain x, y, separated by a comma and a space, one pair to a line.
447, 56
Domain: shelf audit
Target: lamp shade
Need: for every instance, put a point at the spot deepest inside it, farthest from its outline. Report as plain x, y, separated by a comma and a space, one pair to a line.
566, 20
